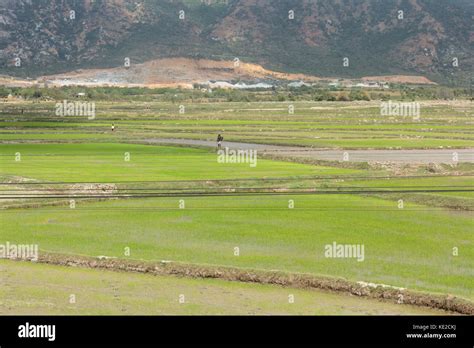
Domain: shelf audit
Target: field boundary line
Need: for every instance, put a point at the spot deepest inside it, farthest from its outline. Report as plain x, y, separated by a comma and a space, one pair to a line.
273, 277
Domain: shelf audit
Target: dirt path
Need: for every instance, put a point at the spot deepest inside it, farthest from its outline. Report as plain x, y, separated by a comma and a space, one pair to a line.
400, 156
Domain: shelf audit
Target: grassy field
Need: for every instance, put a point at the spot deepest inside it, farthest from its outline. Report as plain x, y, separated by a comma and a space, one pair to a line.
410, 248
321, 125
182, 205
114, 293
107, 162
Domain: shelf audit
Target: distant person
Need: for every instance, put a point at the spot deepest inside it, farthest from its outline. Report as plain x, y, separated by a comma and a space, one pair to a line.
220, 138
113, 127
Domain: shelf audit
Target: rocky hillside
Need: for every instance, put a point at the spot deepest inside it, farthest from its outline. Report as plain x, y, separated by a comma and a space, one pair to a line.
378, 37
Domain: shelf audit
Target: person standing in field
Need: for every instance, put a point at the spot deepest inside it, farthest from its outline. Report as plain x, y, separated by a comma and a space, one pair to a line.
113, 127
220, 138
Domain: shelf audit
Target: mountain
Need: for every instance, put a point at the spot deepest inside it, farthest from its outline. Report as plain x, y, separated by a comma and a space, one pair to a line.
53, 36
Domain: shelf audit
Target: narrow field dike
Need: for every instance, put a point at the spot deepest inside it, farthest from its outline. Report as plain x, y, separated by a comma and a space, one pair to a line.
293, 280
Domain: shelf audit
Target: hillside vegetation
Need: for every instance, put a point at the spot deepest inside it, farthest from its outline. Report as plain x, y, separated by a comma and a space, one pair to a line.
375, 37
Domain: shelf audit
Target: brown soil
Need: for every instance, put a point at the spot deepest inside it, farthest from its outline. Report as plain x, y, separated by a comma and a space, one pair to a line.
400, 79
183, 72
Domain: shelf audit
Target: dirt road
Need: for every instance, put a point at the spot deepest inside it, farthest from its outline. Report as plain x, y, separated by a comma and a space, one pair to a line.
400, 156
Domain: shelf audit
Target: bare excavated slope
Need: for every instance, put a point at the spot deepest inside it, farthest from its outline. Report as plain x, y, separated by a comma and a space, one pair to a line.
184, 72
172, 72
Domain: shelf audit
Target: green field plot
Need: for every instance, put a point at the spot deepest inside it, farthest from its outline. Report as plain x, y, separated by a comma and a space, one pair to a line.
406, 248
348, 125
108, 162
450, 191
97, 292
